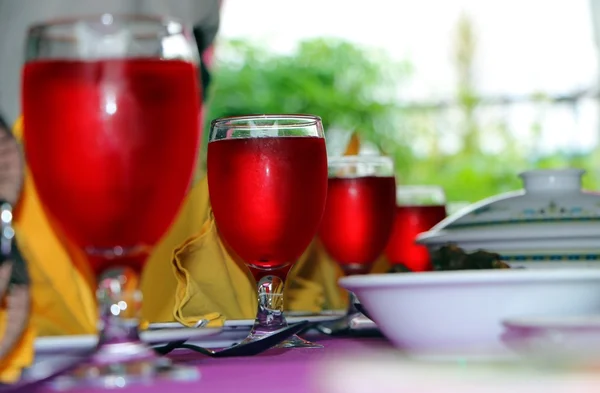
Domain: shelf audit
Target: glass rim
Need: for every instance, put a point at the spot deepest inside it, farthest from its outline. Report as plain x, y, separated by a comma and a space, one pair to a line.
310, 120
420, 195
360, 159
107, 19
419, 188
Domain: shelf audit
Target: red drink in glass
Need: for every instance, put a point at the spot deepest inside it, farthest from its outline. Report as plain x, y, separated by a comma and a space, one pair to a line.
111, 145
358, 220
410, 222
269, 211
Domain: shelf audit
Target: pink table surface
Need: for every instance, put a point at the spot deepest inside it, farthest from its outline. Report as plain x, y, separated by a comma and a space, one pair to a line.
290, 370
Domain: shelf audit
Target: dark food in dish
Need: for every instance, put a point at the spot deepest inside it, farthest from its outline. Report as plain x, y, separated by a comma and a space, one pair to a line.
452, 257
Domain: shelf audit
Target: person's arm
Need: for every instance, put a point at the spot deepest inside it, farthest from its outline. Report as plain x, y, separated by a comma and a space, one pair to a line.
3, 125
206, 22
205, 30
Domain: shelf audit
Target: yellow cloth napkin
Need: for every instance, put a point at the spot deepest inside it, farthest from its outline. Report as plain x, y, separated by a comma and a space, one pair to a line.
20, 358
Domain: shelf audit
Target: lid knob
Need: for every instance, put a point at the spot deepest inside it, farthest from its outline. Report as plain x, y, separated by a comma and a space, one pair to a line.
544, 180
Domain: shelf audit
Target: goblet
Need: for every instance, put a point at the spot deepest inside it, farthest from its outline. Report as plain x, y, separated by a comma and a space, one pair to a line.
267, 179
111, 133
359, 215
418, 209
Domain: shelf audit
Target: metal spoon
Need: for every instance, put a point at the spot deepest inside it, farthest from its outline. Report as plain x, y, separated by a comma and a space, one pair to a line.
246, 349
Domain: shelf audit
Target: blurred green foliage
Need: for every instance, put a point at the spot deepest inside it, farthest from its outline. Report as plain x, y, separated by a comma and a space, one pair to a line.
350, 88
356, 89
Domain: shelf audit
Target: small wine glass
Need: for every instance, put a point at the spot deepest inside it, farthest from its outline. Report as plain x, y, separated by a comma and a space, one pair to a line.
419, 208
111, 109
359, 213
267, 178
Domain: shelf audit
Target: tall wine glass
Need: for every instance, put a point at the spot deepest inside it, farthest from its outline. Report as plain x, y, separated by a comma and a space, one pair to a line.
267, 179
419, 209
111, 130
359, 214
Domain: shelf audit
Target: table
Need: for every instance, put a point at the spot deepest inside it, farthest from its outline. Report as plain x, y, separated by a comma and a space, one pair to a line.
289, 370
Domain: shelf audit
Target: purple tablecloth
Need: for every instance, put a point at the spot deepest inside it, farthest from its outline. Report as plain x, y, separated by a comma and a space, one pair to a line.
290, 371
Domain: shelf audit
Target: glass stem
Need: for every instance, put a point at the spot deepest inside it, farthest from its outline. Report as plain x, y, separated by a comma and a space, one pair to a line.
269, 317
119, 305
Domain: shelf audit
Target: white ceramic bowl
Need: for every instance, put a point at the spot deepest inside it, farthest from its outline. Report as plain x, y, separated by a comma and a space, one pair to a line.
461, 312
552, 222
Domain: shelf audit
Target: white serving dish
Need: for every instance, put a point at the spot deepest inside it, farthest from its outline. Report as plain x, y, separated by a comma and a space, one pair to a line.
460, 313
550, 222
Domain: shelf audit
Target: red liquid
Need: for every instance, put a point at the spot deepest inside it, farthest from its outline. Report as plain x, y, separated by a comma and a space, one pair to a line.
358, 220
411, 221
111, 146
268, 195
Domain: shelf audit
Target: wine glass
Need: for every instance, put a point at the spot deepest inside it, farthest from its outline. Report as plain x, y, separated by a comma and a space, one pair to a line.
111, 117
267, 179
359, 213
418, 209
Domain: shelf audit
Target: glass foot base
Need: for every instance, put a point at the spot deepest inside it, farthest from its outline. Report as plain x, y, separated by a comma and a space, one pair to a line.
122, 365
298, 342
294, 341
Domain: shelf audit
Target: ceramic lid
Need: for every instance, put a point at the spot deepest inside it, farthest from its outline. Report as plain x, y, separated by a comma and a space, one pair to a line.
551, 207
